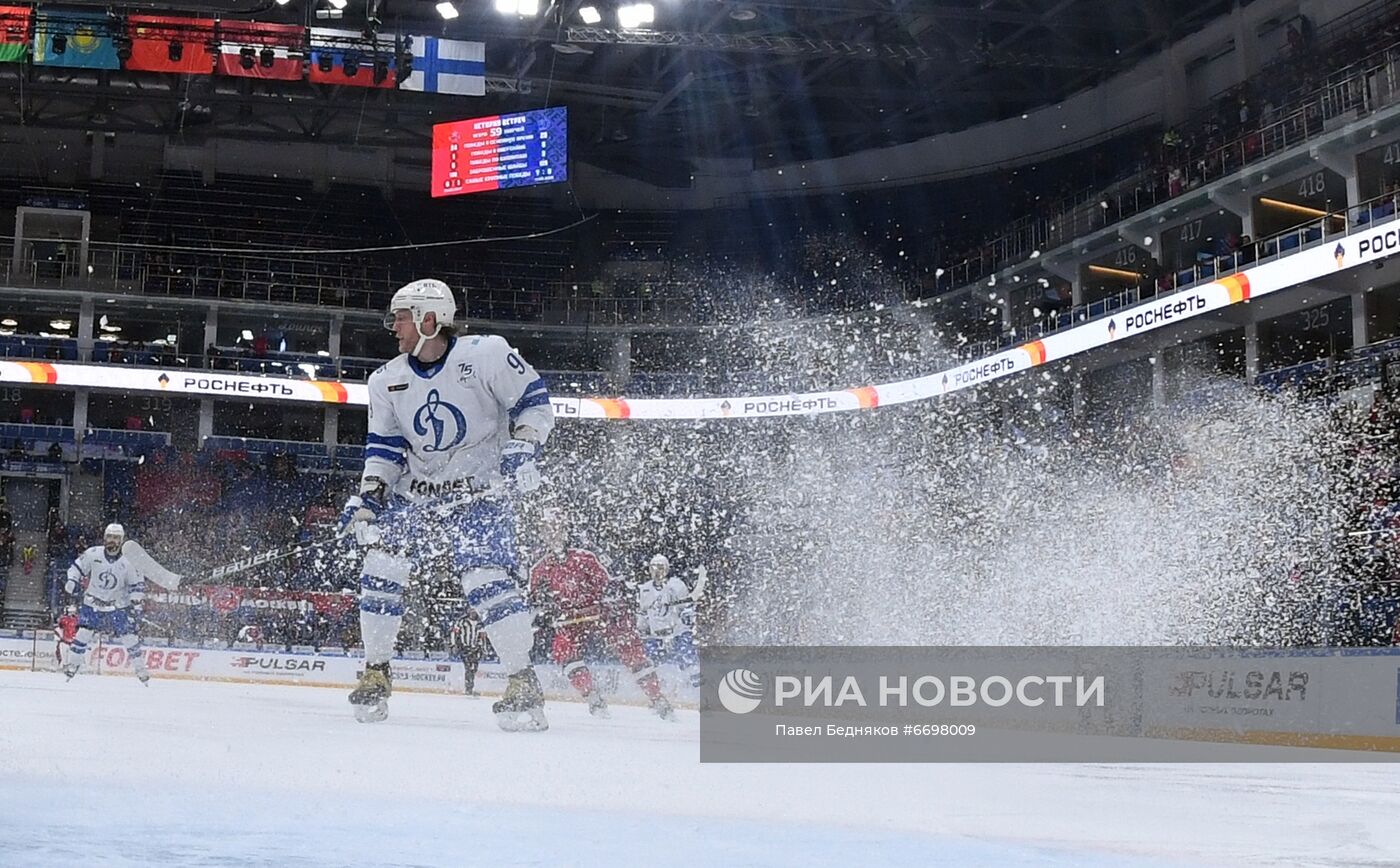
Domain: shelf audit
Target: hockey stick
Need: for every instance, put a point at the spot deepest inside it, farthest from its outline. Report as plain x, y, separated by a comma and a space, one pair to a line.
700, 583
243, 565
149, 566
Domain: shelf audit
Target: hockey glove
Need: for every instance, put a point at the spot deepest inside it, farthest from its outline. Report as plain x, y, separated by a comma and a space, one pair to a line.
518, 465
360, 511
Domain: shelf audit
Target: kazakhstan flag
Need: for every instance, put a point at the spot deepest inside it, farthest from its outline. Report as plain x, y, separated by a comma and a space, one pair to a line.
74, 38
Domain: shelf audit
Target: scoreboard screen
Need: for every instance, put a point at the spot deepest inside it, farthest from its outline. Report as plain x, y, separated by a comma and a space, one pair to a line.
500, 152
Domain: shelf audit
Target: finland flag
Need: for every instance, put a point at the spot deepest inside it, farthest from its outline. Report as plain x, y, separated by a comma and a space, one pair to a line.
447, 66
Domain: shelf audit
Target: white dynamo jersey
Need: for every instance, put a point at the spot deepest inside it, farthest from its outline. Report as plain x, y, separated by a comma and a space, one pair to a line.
662, 607
433, 428
112, 583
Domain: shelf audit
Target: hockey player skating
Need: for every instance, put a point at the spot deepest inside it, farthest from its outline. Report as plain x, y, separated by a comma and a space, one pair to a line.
112, 591
575, 591
449, 418
667, 605
64, 632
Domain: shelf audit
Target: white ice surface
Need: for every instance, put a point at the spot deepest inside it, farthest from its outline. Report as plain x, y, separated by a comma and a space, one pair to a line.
102, 771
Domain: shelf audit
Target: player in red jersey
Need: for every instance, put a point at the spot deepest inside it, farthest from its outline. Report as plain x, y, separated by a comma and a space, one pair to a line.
573, 588
65, 631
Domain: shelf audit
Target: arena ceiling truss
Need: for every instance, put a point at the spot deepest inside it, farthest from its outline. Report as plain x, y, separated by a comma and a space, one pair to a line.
771, 80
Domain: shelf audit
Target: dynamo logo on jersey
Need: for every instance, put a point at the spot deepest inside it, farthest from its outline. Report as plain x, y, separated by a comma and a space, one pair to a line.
434, 418
105, 581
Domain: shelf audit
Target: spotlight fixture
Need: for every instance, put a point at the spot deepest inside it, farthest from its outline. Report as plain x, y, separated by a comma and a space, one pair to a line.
60, 44
339, 4
632, 16
325, 61
245, 57
267, 57
352, 64
590, 14
523, 8
381, 71
175, 50
447, 10
283, 2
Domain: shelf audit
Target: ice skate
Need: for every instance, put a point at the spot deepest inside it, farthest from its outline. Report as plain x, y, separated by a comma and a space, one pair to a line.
598, 706
70, 670
371, 697
144, 678
663, 709
522, 707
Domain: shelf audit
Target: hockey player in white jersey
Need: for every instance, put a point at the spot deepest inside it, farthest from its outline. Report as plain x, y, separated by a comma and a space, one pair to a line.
112, 592
451, 416
668, 608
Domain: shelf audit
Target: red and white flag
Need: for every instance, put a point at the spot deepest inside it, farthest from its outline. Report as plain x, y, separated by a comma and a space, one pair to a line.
252, 50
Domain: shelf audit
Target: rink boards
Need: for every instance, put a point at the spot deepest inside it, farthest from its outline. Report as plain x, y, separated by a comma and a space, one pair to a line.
1346, 699
338, 671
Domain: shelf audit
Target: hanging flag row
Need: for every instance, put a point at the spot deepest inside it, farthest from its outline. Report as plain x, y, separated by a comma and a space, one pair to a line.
207, 46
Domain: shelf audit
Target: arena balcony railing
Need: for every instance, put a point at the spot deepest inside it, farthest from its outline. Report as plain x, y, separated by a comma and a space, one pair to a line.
1381, 209
1366, 86
132, 271
1091, 205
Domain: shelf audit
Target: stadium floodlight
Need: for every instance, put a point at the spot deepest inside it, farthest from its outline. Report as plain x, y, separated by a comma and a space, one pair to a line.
447, 10
505, 7
60, 324
590, 14
247, 335
528, 8
631, 16
283, 2
339, 4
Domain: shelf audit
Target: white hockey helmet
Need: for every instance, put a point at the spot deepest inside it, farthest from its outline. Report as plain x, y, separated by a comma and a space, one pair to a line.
658, 566
420, 298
